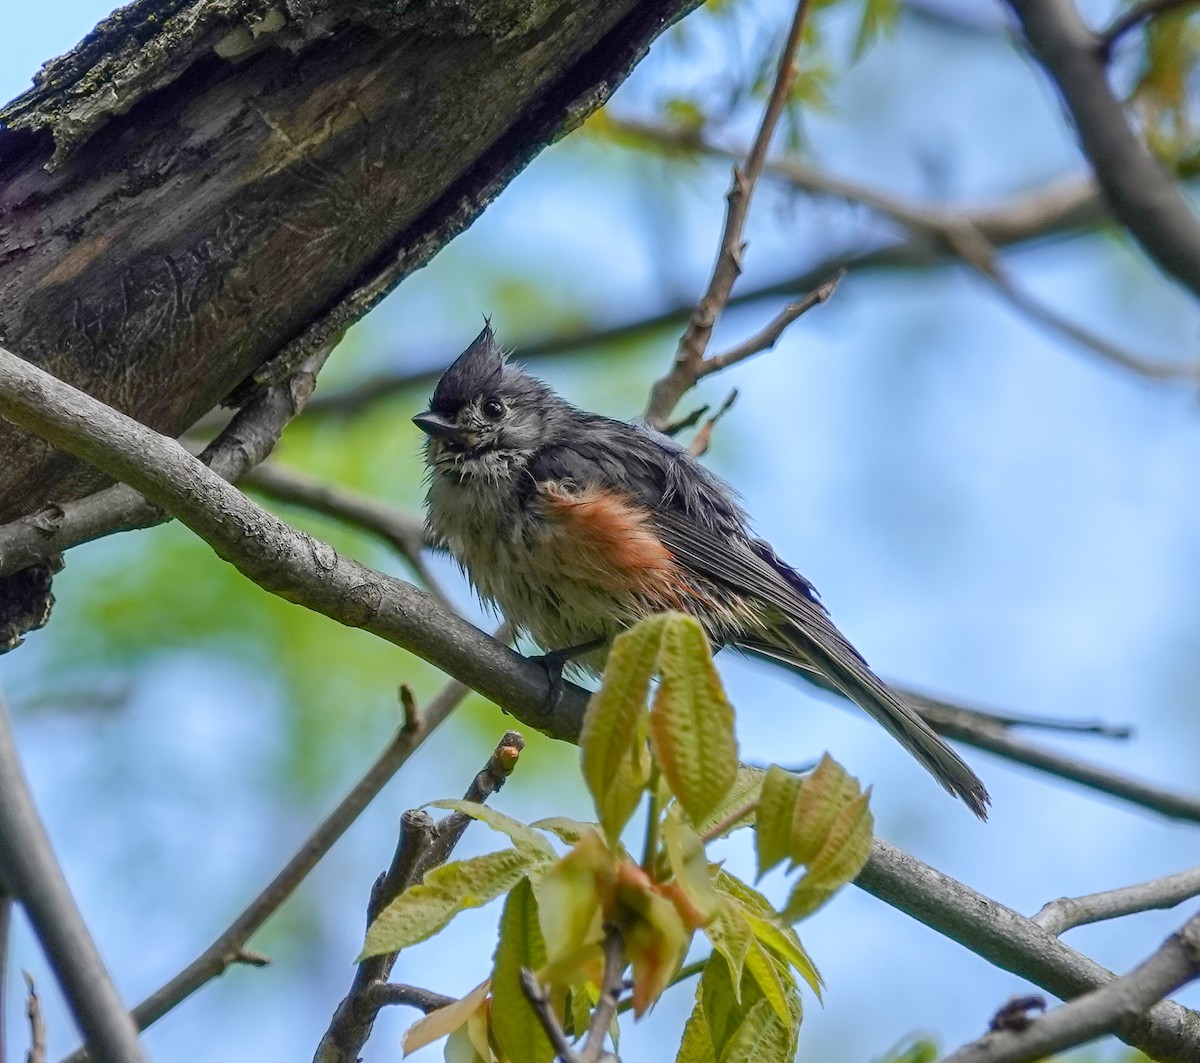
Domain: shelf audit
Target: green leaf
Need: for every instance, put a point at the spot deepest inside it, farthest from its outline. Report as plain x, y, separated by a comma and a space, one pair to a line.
523, 837
763, 922
689, 866
691, 723
826, 792
745, 789
762, 1037
514, 1022
444, 1021
879, 17
421, 911
566, 829
730, 935
775, 817
614, 726
724, 1002
770, 977
697, 1046
569, 898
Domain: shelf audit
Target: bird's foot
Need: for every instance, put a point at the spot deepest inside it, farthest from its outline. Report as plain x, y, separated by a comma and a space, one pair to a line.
556, 660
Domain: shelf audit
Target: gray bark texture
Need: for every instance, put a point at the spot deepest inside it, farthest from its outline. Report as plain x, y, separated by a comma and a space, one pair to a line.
204, 191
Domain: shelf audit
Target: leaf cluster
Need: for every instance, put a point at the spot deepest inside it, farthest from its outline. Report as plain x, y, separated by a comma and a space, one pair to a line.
659, 736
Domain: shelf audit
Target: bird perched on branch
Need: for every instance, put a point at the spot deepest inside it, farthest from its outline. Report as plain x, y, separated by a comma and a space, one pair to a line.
578, 526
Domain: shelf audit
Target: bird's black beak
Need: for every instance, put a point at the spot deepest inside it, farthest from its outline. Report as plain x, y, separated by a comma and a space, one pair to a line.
439, 427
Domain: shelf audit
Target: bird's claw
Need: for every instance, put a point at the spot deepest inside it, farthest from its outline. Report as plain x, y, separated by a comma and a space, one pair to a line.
555, 661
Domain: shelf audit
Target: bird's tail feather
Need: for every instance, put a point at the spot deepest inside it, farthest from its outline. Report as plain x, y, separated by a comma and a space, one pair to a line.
851, 677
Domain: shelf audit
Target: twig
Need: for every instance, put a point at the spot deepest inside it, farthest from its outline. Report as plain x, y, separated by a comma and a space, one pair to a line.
951, 229
422, 846
229, 947
1061, 915
1121, 1001
277, 557
612, 983
245, 441
37, 1025
1133, 17
540, 1002
1070, 206
404, 533
31, 872
1167, 1032
965, 725
689, 357
385, 994
1142, 195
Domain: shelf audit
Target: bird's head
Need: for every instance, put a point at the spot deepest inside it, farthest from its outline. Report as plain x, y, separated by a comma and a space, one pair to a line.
486, 411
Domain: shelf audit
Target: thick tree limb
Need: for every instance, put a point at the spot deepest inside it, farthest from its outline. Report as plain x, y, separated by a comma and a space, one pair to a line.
1172, 966
1142, 195
1061, 915
32, 874
235, 182
1167, 1032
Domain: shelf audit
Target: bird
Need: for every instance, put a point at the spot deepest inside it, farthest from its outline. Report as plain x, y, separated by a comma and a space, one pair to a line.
577, 526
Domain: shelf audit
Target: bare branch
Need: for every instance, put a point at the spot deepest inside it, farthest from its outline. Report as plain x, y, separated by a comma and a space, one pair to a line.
1070, 206
422, 847
404, 533
1061, 915
385, 994
6, 910
950, 228
689, 357
701, 440
1119, 1002
229, 947
37, 1026
32, 874
246, 440
542, 1007
1142, 195
1167, 1032
612, 984
277, 557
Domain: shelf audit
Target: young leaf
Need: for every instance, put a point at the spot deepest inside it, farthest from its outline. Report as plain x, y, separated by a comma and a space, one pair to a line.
774, 980
725, 1004
564, 828
689, 866
826, 791
730, 936
423, 910
445, 1020
775, 816
461, 1048
697, 1046
691, 724
522, 836
656, 939
568, 897
745, 790
614, 725
514, 1023
762, 1037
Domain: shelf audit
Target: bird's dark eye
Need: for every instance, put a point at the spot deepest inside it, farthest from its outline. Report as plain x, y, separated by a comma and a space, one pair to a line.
493, 409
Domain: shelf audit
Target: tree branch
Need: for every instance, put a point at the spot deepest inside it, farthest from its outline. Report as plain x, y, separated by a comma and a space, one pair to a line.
277, 557
1167, 1032
31, 872
1143, 197
1124, 1000
689, 358
37, 1025
230, 947
1061, 915
422, 846
247, 440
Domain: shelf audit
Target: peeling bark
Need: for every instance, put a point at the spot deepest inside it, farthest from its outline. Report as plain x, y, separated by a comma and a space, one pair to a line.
203, 191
